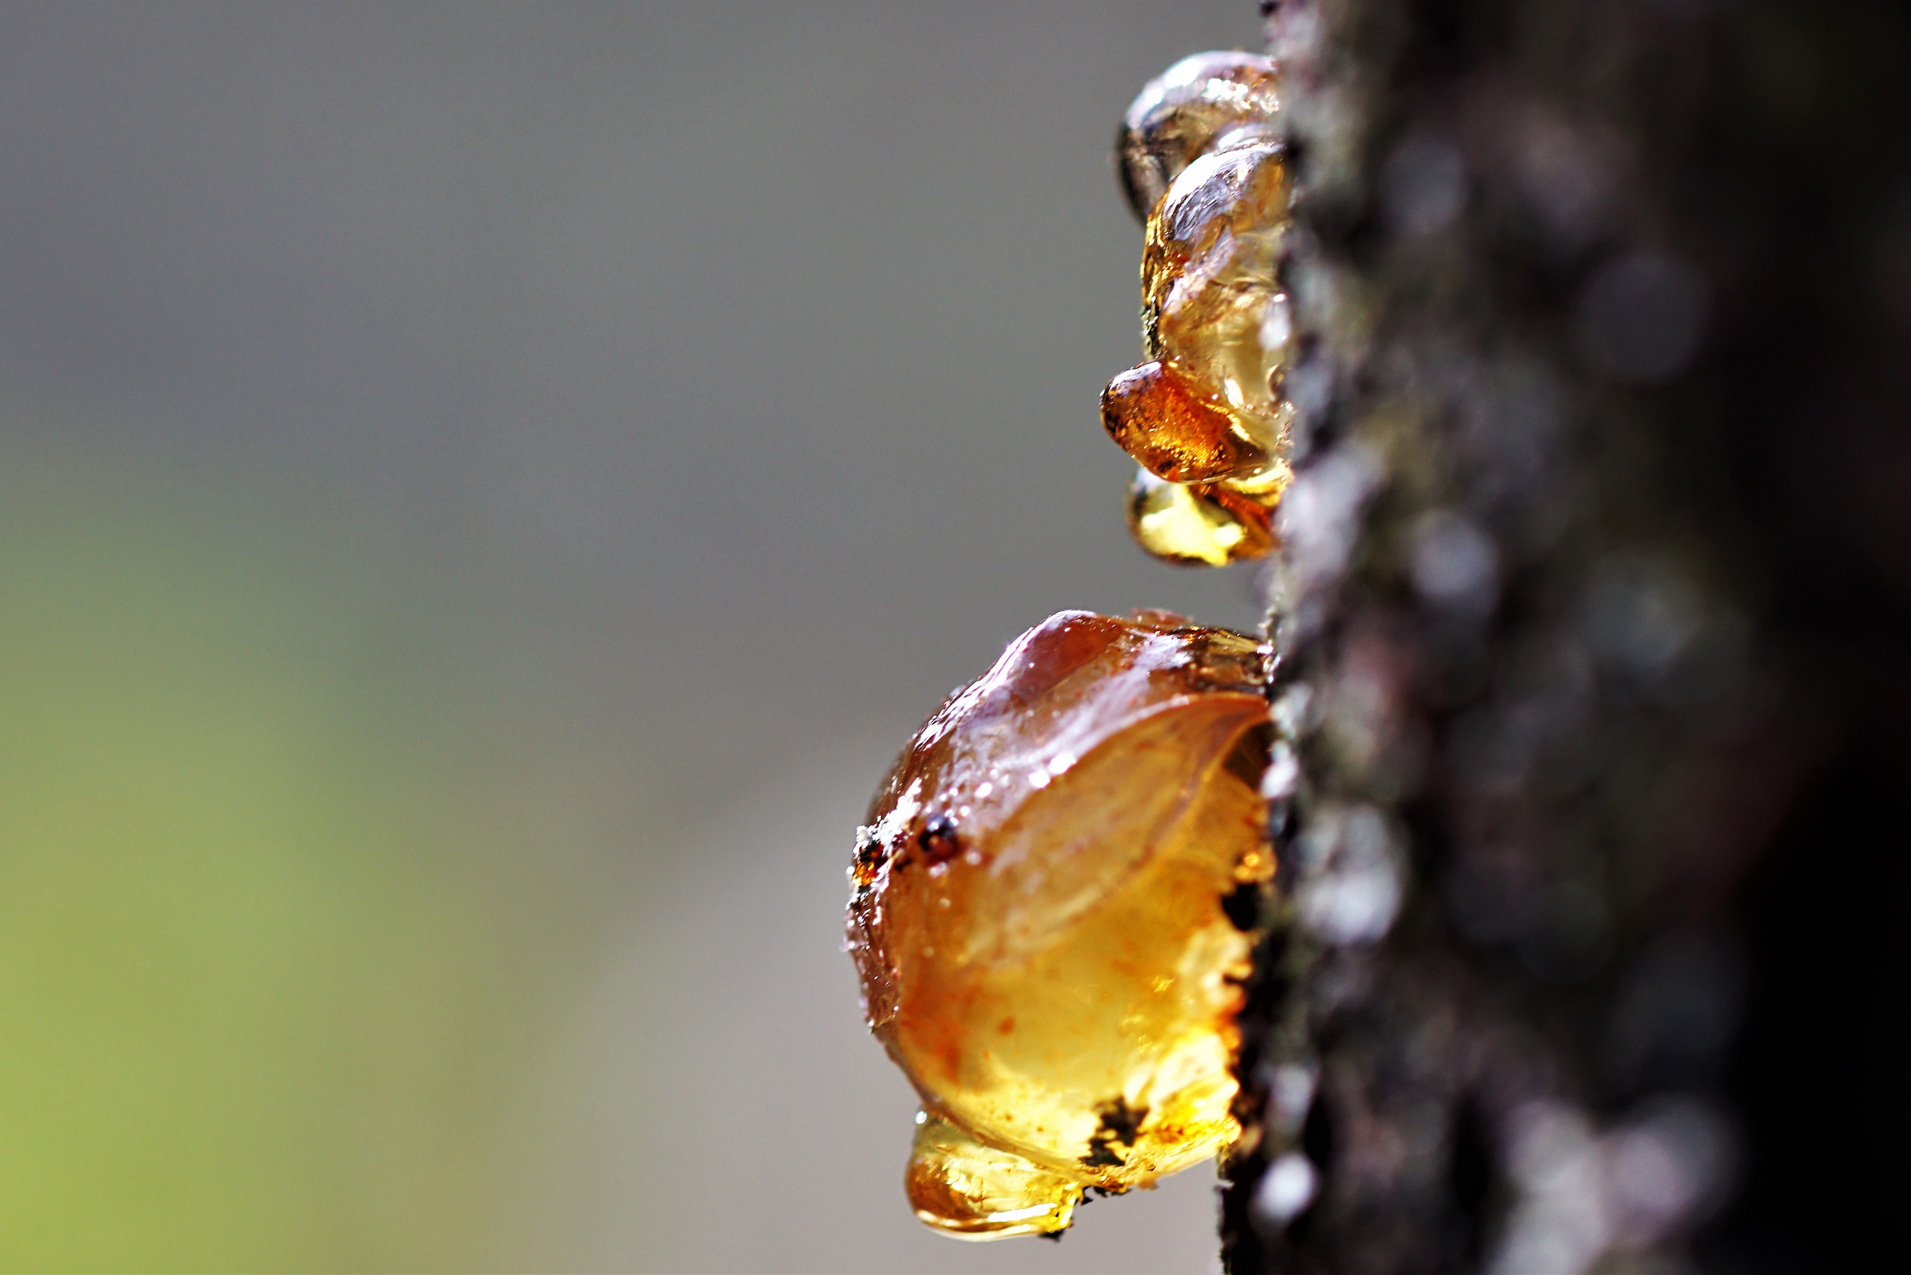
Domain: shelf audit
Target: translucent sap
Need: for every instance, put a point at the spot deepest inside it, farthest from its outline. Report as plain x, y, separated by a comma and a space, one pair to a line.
1206, 408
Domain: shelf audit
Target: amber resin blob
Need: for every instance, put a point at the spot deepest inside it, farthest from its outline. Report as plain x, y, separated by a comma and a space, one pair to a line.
1201, 165
1040, 915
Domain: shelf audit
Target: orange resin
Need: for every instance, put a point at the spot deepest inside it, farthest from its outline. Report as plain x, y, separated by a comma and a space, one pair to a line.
1161, 419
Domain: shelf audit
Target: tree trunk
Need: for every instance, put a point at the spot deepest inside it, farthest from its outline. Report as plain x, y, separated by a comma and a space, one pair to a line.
1593, 623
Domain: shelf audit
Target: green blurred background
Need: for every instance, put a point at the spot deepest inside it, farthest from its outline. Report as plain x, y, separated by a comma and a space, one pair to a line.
483, 493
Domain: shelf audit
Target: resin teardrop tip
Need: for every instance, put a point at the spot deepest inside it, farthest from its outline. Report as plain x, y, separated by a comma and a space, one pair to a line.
971, 1191
1200, 524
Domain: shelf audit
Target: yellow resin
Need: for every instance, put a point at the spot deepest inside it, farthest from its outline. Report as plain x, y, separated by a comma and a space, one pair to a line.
1199, 524
1038, 916
1265, 487
976, 1192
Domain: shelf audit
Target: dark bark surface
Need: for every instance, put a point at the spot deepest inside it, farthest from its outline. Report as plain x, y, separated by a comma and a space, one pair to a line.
1594, 620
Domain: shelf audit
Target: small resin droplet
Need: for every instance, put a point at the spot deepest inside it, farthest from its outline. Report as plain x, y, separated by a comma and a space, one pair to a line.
1160, 420
1179, 115
1201, 523
978, 1192
1062, 992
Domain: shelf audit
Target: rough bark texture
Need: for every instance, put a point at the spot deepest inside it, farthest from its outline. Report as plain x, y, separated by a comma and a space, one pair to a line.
1594, 620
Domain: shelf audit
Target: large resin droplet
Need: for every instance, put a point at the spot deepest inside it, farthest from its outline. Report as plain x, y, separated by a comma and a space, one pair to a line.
1178, 115
1038, 915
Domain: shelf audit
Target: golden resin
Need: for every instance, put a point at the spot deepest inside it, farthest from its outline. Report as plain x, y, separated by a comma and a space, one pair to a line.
1201, 523
1038, 916
1206, 407
979, 1192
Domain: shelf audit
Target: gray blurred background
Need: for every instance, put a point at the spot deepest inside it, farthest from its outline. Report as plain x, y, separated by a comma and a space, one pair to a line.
484, 492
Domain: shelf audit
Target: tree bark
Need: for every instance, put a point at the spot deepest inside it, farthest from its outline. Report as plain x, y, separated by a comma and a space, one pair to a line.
1593, 615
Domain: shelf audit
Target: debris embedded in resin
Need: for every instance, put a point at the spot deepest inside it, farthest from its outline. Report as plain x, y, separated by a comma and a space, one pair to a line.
1038, 916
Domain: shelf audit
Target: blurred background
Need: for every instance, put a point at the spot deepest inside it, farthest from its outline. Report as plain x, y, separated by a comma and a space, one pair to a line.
484, 492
